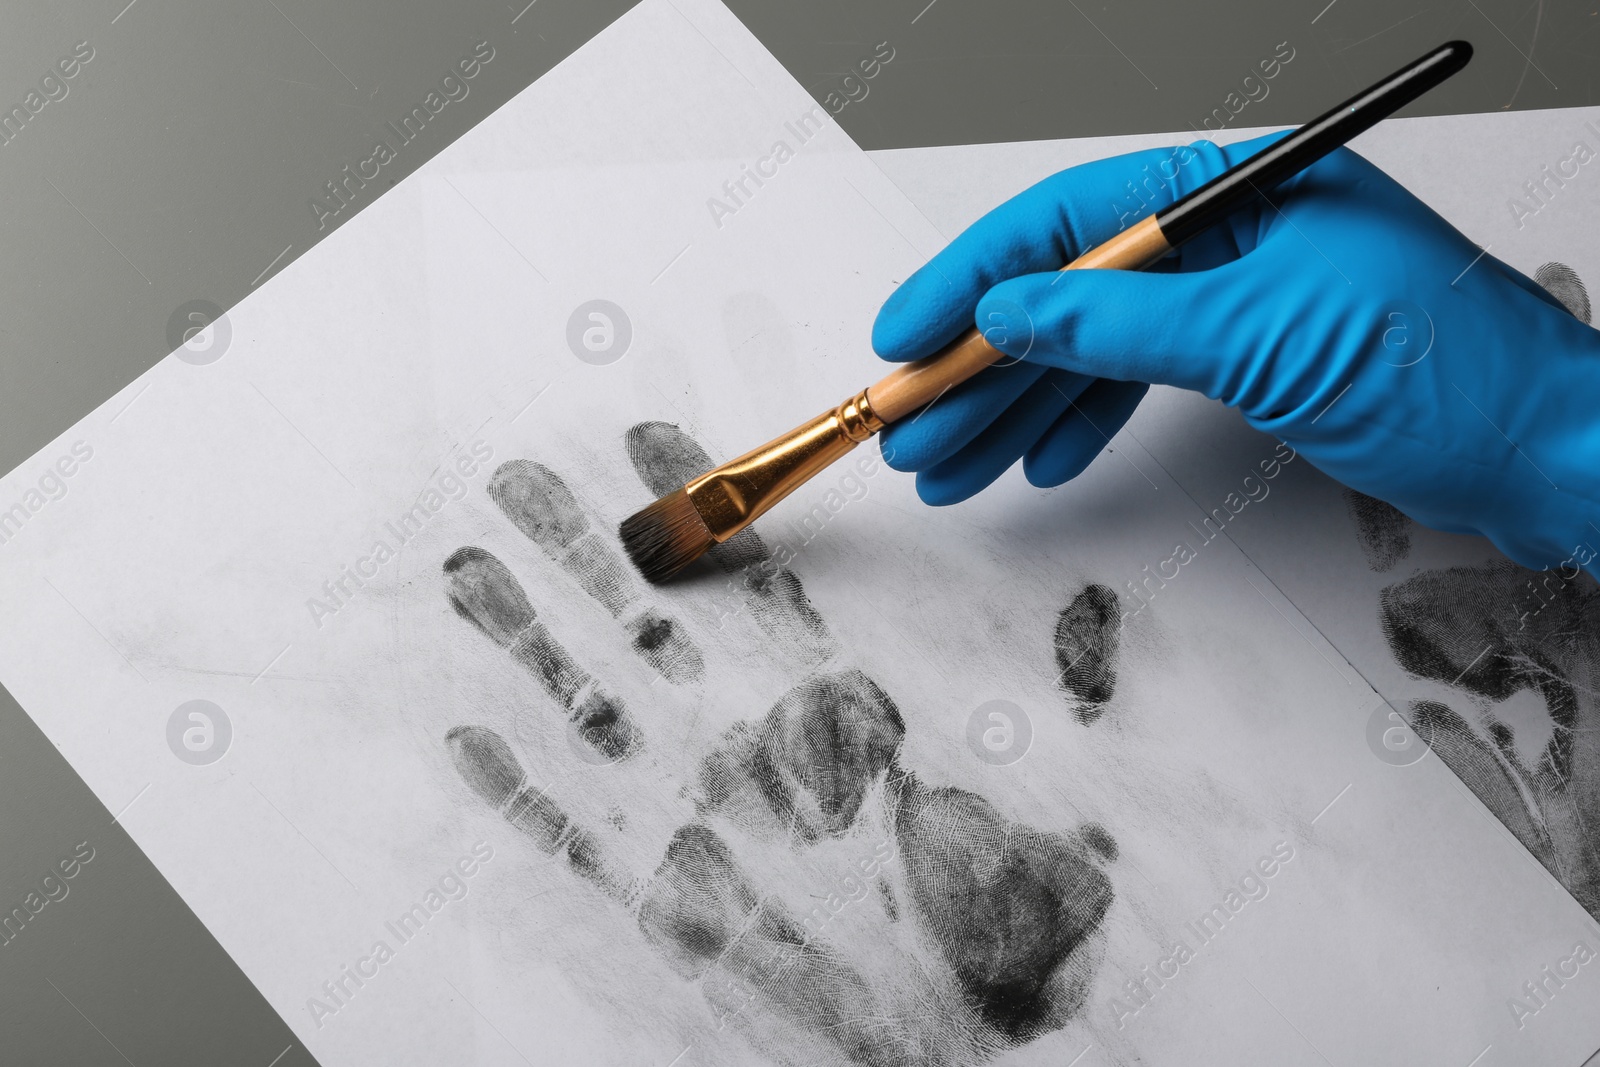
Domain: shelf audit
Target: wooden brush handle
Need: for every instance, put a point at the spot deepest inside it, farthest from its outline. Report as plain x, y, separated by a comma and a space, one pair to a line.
915, 385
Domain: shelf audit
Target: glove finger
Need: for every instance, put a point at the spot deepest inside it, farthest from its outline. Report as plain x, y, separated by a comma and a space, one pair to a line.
1041, 229
1200, 330
1082, 432
1003, 442
947, 425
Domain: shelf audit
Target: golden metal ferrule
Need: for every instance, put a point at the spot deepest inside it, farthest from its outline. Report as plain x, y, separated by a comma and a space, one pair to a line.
857, 418
739, 492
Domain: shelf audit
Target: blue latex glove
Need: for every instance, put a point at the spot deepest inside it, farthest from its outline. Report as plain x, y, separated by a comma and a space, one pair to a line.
1345, 318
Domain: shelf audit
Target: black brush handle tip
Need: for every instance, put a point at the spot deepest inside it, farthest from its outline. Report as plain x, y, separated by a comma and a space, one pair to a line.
1283, 159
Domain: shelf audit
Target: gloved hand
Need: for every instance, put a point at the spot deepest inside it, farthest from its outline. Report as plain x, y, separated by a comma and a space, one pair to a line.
1344, 317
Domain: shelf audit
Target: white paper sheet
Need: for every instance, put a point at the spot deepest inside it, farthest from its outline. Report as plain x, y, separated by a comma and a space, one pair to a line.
773, 874
1385, 591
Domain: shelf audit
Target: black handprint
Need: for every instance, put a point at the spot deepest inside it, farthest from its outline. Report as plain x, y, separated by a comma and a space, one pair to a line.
1004, 931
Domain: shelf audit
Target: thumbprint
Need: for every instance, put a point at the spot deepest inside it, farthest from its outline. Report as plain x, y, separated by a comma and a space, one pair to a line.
1563, 283
1383, 530
1086, 644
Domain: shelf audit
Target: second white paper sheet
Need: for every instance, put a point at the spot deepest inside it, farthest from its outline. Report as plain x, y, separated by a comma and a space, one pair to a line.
917, 797
1484, 665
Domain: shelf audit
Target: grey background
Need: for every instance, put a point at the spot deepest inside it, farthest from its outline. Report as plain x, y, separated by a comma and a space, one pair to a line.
181, 164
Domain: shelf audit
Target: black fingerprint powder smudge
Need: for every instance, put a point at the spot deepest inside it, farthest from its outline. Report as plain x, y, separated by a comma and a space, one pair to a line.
1382, 530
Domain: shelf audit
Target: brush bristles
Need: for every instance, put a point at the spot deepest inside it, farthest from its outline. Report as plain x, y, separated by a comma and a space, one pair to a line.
665, 537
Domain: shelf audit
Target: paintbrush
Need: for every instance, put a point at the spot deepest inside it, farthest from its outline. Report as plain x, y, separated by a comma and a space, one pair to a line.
675, 530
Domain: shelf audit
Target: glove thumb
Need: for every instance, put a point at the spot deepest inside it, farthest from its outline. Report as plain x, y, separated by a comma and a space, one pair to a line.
1199, 330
